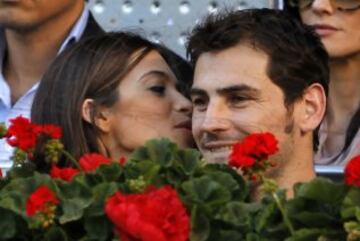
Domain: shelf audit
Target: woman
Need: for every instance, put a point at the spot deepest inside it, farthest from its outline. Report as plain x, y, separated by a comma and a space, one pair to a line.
337, 24
111, 93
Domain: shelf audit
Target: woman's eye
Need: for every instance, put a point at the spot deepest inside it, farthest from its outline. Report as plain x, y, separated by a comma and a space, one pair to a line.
158, 89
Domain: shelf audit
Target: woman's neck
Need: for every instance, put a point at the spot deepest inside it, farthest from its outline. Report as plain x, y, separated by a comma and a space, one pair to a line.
344, 91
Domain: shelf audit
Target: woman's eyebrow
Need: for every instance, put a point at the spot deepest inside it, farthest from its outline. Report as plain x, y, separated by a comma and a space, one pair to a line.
157, 73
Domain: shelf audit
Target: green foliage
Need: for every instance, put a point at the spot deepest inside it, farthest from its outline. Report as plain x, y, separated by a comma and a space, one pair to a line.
216, 197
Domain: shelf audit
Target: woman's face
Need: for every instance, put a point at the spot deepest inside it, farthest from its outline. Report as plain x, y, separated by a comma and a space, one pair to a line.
150, 106
339, 29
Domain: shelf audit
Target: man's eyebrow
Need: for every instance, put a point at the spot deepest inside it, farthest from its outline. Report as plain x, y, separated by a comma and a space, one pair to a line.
238, 88
197, 91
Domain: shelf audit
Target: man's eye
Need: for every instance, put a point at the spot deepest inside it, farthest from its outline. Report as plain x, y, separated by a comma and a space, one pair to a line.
199, 103
237, 99
158, 89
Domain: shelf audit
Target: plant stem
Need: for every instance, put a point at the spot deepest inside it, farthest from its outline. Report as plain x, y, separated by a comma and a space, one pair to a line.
72, 159
283, 213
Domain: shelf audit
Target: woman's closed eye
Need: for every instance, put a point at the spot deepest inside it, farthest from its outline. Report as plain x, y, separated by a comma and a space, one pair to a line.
158, 89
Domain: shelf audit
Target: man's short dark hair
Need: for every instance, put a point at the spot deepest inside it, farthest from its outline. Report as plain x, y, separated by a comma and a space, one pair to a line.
297, 57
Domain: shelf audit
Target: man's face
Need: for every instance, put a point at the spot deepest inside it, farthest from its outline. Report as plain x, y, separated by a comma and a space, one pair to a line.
28, 14
233, 97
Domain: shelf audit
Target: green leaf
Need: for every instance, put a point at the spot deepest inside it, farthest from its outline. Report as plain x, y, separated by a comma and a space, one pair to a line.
146, 168
139, 154
189, 160
225, 179
252, 237
200, 225
55, 234
175, 177
207, 191
351, 204
159, 151
237, 214
243, 192
7, 224
74, 197
323, 190
266, 216
230, 235
98, 228
315, 219
306, 235
314, 234
100, 193
110, 172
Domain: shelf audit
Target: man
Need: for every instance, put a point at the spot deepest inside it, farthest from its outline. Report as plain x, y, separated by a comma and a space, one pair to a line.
32, 33
255, 71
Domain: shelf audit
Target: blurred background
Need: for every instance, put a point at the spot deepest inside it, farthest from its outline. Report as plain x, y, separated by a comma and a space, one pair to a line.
165, 21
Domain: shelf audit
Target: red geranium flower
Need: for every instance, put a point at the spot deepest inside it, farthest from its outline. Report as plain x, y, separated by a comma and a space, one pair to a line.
122, 161
22, 134
90, 162
52, 131
352, 172
40, 200
65, 174
157, 214
257, 146
1, 175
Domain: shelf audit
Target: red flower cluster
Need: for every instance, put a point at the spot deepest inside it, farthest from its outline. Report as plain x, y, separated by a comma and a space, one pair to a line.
1, 175
23, 134
251, 154
157, 214
65, 174
90, 162
40, 200
352, 172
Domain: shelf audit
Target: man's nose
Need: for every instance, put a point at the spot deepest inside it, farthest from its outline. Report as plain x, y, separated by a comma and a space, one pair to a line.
216, 119
322, 6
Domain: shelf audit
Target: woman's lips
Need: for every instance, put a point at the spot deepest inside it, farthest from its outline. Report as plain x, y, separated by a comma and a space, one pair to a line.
324, 30
184, 125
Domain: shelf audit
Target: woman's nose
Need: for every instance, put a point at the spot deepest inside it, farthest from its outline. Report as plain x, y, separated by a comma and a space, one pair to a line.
183, 105
322, 6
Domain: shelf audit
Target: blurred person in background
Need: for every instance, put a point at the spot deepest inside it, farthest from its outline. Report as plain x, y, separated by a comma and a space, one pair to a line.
125, 90
337, 22
32, 34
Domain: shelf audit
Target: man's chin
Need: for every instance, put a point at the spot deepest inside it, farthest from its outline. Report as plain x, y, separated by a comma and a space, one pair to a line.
216, 157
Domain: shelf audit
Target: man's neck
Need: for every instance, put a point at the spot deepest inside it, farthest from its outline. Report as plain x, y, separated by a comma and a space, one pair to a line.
30, 52
299, 168
301, 171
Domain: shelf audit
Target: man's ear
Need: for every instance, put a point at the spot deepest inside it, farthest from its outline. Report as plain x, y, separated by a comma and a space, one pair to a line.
101, 116
314, 106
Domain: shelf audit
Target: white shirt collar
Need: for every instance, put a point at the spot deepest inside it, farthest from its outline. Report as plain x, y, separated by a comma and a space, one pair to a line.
77, 30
